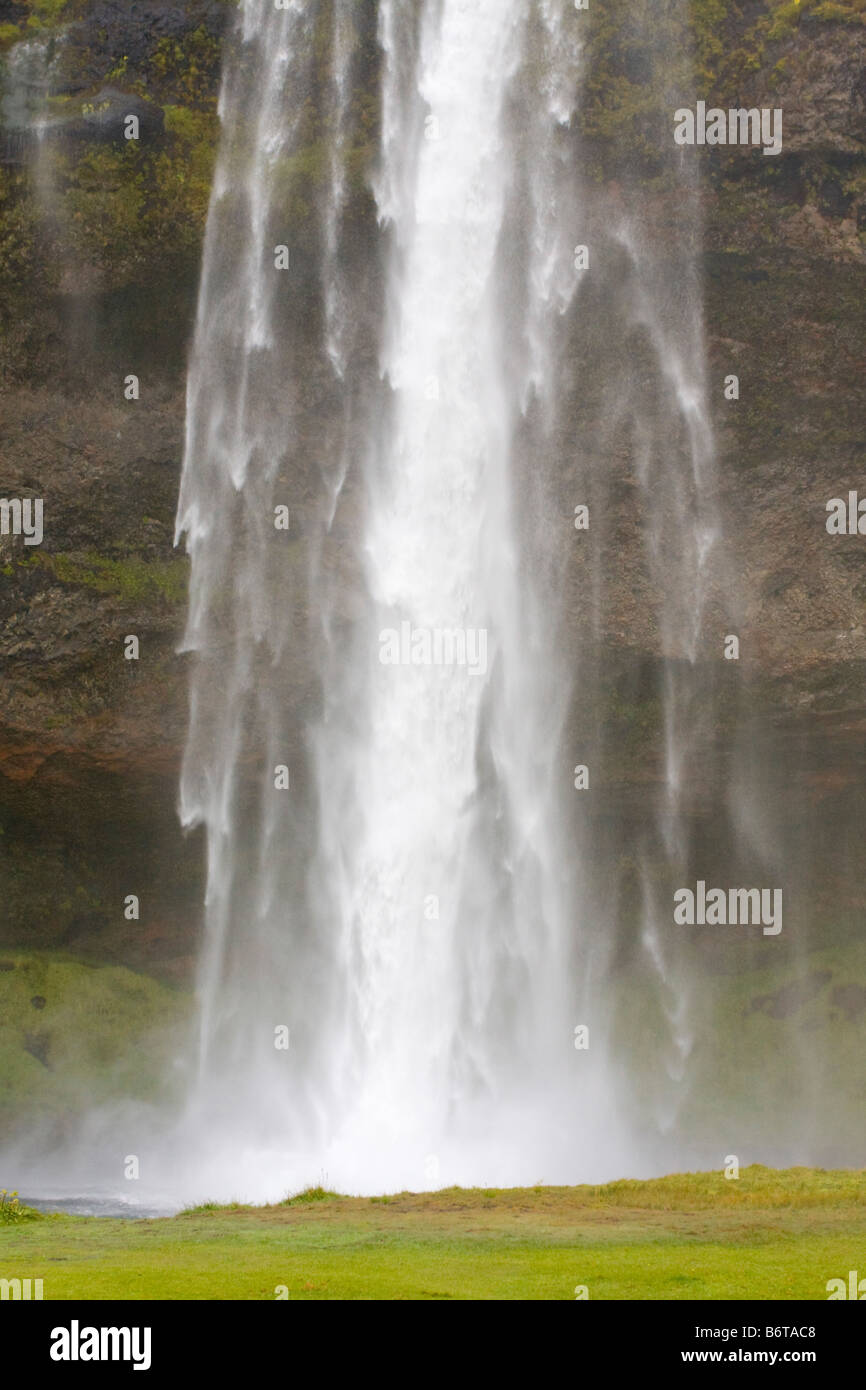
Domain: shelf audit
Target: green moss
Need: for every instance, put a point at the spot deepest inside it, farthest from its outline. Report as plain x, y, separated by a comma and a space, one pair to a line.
104, 204
707, 24
139, 210
642, 61
136, 210
854, 12
72, 1033
780, 72
785, 18
786, 15
45, 14
118, 72
134, 213
17, 230
187, 67
192, 126
132, 579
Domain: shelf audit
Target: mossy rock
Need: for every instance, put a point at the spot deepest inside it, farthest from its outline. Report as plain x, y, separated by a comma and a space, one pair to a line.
131, 579
74, 1035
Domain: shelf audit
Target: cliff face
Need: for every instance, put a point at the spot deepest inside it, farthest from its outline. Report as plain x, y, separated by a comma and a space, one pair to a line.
786, 256
99, 250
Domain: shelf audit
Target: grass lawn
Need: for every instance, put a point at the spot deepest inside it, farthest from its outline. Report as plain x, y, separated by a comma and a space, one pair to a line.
768, 1235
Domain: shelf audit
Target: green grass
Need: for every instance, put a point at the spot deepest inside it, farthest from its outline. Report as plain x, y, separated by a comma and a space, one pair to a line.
310, 1194
767, 1235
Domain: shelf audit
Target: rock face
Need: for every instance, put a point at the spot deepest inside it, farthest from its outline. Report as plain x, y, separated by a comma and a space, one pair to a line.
100, 243
142, 36
93, 295
107, 116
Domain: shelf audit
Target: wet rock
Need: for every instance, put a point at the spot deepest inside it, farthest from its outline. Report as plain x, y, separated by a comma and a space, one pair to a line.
104, 117
785, 1002
37, 1046
851, 999
833, 200
129, 32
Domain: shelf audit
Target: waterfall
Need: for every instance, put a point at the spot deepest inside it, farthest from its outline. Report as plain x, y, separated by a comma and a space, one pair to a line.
30, 72
452, 926
410, 910
462, 721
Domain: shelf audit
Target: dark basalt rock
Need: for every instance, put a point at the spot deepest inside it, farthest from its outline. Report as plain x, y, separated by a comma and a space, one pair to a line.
104, 118
132, 29
101, 119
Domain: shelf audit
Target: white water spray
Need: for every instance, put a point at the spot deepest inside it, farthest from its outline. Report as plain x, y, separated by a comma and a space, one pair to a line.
413, 912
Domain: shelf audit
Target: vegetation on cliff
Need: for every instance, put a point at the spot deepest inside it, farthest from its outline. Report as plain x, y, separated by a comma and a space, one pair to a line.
72, 1032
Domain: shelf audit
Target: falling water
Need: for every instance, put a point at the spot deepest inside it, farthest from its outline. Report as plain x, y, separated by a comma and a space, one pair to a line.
28, 72
451, 906
409, 910
29, 75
